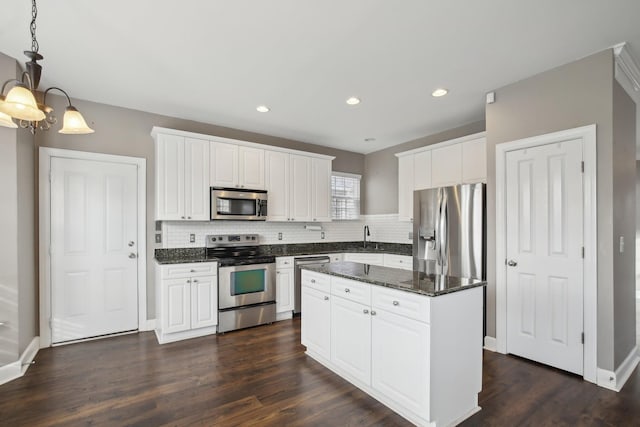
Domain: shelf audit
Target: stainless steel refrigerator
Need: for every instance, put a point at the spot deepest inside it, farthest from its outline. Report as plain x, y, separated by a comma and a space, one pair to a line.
449, 230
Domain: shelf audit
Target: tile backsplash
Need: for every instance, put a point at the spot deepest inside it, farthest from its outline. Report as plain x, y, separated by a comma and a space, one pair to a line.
384, 228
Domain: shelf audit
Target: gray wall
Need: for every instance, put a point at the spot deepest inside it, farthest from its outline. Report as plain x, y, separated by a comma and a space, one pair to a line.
127, 132
17, 252
380, 182
572, 95
624, 205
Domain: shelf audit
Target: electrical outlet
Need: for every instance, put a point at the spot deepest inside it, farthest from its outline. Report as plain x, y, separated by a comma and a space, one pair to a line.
192, 238
158, 225
158, 238
279, 236
322, 234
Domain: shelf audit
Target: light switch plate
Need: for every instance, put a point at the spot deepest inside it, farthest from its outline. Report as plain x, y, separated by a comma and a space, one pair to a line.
322, 234
158, 238
279, 236
192, 238
621, 244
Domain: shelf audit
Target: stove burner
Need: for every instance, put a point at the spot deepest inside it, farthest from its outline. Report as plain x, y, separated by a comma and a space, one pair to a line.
236, 249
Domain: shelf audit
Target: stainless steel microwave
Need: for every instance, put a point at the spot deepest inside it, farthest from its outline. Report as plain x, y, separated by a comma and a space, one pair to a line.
239, 205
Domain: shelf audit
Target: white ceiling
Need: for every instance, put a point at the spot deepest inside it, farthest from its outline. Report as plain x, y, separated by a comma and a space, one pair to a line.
214, 61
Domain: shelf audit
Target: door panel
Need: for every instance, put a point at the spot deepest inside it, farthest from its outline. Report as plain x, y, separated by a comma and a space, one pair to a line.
204, 302
94, 289
544, 251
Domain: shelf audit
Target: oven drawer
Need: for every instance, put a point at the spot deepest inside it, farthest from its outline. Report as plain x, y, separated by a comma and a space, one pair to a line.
177, 271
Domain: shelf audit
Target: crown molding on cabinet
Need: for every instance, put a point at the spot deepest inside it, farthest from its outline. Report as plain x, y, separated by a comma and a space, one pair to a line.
443, 144
166, 131
626, 64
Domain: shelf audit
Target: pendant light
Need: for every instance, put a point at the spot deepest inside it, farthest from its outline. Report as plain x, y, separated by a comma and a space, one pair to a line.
21, 104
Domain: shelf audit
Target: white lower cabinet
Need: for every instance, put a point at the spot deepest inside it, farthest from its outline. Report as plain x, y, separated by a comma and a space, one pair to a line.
316, 321
285, 298
421, 356
187, 301
404, 380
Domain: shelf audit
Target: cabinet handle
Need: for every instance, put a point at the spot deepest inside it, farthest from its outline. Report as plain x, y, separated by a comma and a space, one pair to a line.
326, 298
182, 217
188, 217
314, 219
347, 290
286, 262
373, 312
313, 280
396, 303
365, 311
400, 261
188, 280
277, 272
195, 280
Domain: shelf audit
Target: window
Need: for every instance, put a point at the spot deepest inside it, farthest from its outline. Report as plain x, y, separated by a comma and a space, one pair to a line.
345, 196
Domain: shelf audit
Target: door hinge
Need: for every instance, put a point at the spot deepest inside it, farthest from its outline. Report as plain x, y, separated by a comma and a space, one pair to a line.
50, 177
582, 338
583, 252
582, 166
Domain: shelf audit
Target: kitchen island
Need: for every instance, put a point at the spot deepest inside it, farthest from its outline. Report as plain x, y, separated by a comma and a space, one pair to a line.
413, 342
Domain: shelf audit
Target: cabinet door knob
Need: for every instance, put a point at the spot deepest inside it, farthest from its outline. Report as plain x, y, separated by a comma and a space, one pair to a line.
188, 280
326, 298
373, 312
188, 217
182, 217
396, 303
365, 311
192, 270
195, 280
313, 280
277, 272
347, 290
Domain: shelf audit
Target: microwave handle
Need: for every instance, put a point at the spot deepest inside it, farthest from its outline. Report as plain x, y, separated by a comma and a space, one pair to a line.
262, 207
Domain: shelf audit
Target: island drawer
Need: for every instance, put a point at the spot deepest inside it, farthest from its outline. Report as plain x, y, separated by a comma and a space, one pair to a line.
407, 304
178, 271
398, 261
318, 281
284, 262
352, 290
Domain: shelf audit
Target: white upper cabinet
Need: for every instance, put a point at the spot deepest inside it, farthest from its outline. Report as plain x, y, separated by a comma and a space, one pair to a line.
235, 166
422, 170
251, 168
182, 178
459, 161
277, 184
300, 193
474, 161
321, 190
405, 187
446, 166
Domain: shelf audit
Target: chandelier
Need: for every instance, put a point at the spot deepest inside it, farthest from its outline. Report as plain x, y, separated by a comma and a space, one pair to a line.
20, 102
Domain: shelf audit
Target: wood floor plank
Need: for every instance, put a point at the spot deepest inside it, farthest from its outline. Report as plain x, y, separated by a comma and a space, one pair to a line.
261, 377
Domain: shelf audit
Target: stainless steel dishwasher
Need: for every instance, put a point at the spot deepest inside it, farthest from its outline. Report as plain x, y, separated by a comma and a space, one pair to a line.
298, 262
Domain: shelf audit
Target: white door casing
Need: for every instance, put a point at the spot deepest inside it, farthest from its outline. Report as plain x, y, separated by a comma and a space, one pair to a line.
587, 136
96, 248
544, 253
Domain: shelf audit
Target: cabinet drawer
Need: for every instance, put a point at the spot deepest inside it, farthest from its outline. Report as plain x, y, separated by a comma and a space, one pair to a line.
174, 271
336, 257
407, 304
319, 281
284, 262
398, 261
352, 290
365, 258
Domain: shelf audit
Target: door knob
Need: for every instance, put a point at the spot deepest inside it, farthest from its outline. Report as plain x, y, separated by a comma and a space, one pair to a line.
132, 255
131, 243
365, 311
512, 263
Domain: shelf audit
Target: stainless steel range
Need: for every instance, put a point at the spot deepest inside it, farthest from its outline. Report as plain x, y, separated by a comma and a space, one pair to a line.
246, 281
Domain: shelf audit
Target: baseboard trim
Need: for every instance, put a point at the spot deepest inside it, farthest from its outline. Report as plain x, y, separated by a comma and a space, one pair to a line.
149, 325
490, 344
18, 368
616, 380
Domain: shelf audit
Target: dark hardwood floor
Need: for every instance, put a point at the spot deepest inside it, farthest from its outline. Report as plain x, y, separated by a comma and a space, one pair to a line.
261, 377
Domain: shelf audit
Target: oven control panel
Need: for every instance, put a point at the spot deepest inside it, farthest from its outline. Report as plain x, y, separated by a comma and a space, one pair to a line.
231, 240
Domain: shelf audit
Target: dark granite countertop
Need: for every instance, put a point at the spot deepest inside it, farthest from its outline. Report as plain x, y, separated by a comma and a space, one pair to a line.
186, 255
404, 280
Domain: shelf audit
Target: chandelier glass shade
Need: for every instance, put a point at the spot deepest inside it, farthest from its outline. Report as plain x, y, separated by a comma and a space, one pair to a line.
20, 102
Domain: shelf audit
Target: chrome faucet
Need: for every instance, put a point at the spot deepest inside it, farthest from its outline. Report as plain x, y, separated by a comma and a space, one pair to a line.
366, 233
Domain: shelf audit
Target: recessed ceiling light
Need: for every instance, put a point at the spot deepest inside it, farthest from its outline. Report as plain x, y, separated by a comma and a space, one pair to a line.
439, 92
369, 139
353, 101
262, 108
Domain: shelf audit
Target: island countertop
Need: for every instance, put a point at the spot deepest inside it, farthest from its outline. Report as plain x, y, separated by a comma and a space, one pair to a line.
410, 281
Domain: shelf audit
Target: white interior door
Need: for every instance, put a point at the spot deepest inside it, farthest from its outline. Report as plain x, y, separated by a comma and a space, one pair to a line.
93, 248
544, 223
